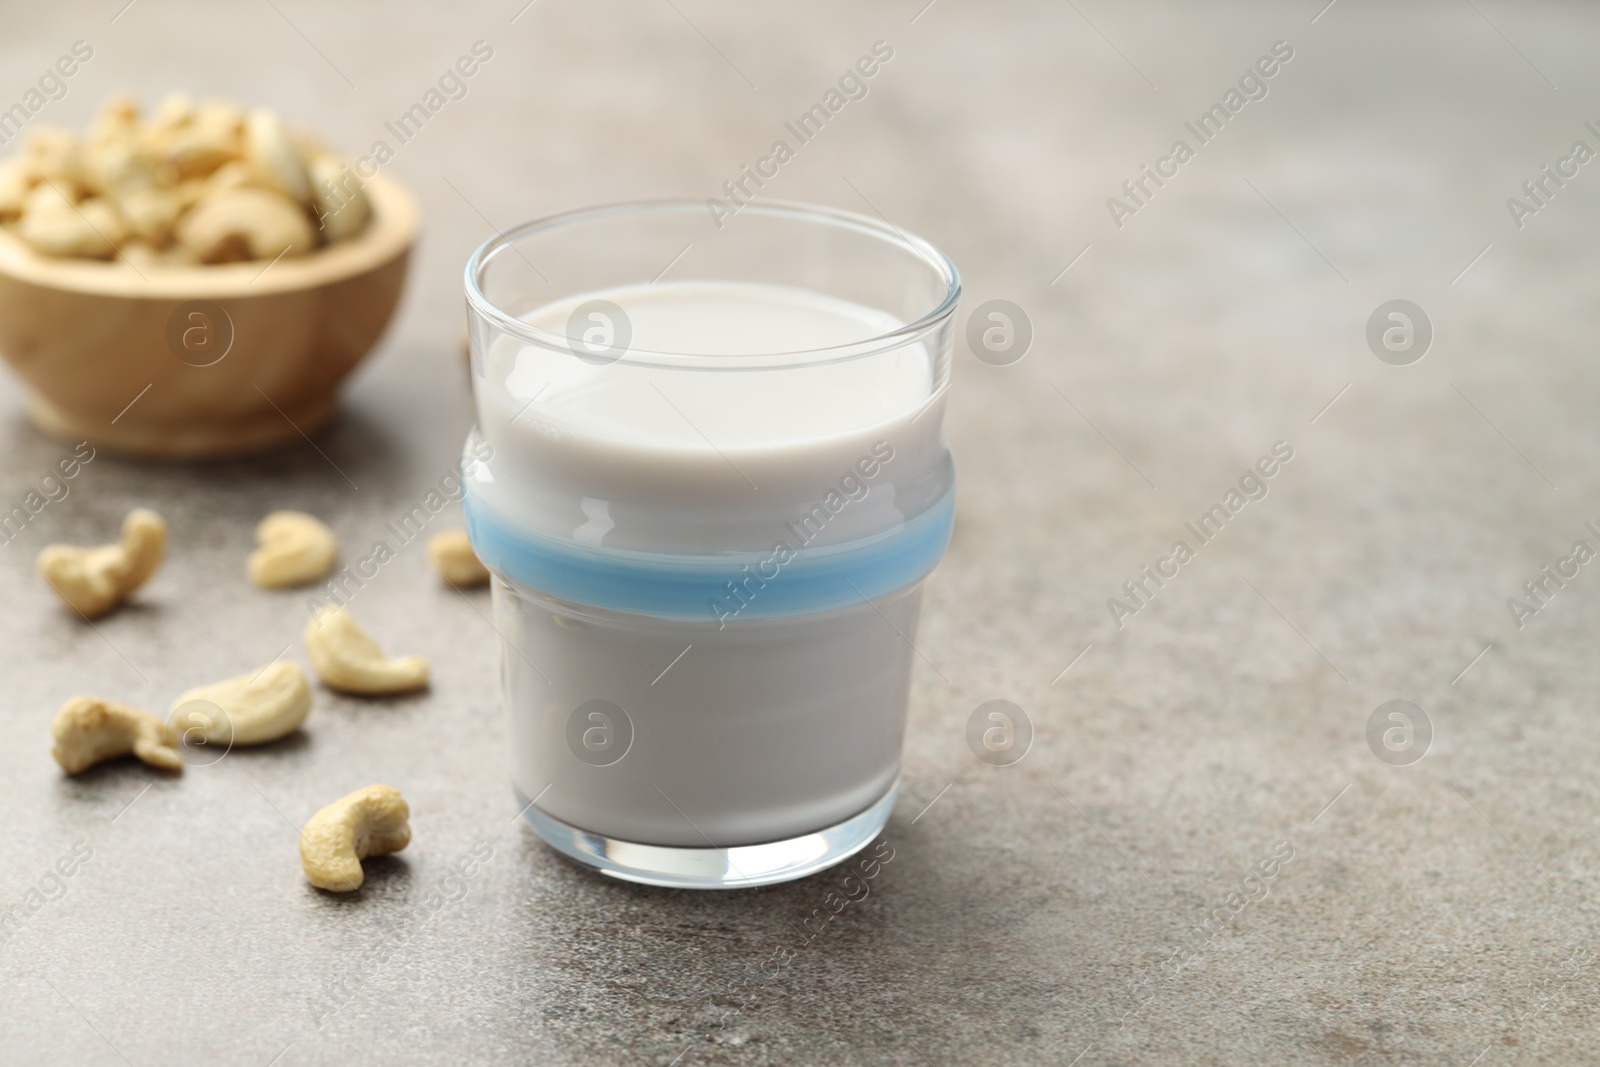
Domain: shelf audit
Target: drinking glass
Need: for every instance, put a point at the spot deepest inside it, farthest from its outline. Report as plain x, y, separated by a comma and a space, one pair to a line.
709, 477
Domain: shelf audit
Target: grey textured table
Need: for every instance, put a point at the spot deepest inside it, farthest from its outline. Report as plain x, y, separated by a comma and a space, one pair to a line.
1082, 902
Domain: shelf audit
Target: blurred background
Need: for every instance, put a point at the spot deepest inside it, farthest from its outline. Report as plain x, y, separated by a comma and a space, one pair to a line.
1089, 900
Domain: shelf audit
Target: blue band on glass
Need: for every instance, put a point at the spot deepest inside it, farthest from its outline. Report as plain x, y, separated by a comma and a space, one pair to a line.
742, 585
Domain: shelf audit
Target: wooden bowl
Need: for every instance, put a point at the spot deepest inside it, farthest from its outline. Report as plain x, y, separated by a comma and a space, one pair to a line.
200, 361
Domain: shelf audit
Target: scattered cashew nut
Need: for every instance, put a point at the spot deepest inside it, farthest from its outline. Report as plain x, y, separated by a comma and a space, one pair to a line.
295, 549
245, 224
95, 580
89, 730
368, 822
452, 556
255, 708
344, 657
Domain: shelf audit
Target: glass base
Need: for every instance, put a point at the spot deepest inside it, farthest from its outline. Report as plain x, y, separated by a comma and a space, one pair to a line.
738, 867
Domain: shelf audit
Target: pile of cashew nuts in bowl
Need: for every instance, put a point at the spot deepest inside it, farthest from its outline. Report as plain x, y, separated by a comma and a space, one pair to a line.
292, 549
194, 183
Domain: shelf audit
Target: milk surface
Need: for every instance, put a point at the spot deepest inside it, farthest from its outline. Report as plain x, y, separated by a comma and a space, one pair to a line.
686, 409
761, 730
702, 446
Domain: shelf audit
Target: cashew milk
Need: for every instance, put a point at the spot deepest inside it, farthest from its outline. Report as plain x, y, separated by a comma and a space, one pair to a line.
708, 566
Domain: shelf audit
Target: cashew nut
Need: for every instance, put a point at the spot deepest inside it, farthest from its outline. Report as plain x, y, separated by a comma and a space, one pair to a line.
151, 213
245, 224
88, 730
61, 232
368, 822
46, 197
269, 146
118, 164
197, 150
161, 180
256, 708
202, 140
175, 109
118, 115
295, 548
452, 556
15, 181
220, 115
337, 195
95, 580
344, 657
234, 175
52, 224
54, 154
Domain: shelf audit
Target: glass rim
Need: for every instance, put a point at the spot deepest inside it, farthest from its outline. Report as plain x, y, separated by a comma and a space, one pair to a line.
881, 229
